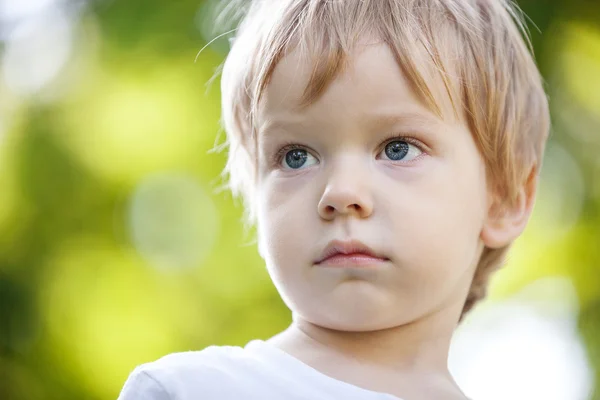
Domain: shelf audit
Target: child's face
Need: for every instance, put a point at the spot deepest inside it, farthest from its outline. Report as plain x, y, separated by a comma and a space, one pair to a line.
419, 201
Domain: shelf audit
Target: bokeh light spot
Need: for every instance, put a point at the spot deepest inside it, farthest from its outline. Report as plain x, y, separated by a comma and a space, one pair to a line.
13, 10
136, 123
106, 312
526, 347
561, 194
36, 52
173, 223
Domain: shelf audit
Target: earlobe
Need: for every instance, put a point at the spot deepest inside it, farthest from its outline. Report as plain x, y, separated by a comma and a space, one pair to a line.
505, 222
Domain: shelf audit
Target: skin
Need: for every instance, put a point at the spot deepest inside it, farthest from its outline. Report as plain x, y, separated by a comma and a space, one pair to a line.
386, 328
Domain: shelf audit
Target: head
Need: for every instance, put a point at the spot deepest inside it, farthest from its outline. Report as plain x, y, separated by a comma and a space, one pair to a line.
415, 127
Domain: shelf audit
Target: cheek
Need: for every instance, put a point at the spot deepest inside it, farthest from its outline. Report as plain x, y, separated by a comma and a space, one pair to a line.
284, 215
455, 196
437, 222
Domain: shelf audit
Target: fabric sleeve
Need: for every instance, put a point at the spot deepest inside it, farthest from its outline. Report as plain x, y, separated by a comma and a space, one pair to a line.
140, 385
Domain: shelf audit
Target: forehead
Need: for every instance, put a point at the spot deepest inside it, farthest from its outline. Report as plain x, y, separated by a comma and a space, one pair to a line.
370, 81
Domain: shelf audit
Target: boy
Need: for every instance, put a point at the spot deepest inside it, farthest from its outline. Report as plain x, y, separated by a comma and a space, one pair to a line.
388, 151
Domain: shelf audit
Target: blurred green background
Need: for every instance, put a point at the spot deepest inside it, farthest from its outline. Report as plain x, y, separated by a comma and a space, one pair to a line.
116, 247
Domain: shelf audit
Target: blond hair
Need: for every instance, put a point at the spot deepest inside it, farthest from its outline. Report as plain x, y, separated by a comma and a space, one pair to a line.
479, 48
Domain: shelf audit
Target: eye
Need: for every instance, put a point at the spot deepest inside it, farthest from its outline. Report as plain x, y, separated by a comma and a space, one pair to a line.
297, 158
400, 150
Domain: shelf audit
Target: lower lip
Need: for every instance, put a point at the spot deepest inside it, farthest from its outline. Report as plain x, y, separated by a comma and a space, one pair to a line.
351, 260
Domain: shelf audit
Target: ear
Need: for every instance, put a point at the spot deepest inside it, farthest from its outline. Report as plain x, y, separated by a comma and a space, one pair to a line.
505, 222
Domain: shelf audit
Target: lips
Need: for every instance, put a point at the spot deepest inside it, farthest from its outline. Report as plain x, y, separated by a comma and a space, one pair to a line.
349, 252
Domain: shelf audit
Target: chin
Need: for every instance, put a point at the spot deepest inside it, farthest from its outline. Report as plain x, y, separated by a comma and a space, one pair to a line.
352, 320
353, 325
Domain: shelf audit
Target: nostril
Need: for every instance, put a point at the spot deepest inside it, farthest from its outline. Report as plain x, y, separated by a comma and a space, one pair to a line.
354, 207
330, 209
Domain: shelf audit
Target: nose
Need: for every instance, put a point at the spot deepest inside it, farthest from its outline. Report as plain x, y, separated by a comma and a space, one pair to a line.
346, 195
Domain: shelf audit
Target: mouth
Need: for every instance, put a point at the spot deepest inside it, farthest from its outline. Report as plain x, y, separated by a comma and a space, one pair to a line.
349, 253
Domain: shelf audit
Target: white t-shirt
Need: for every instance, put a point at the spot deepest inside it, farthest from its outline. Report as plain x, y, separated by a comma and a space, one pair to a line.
258, 371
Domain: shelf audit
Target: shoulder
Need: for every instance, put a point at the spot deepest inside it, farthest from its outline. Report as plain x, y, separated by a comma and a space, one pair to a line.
176, 365
179, 376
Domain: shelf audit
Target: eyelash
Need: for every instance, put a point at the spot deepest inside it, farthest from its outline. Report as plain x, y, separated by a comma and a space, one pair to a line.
418, 144
288, 146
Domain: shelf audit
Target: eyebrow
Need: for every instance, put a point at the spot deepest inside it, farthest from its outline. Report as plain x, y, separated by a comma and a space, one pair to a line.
280, 124
371, 121
412, 118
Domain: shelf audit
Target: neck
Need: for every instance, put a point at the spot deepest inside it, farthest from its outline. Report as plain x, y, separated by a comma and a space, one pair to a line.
420, 346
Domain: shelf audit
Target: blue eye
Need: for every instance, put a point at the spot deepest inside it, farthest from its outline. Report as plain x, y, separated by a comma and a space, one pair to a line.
298, 158
398, 150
